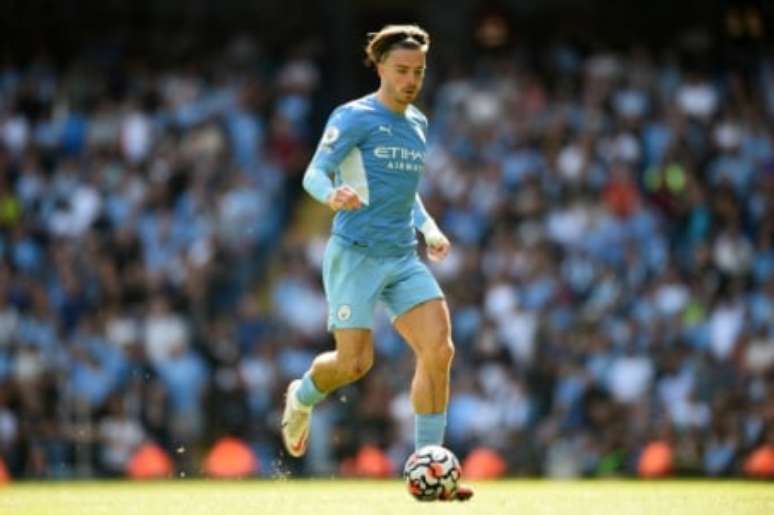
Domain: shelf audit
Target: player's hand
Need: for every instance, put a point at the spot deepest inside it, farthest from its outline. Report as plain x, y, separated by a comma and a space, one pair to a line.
344, 198
438, 245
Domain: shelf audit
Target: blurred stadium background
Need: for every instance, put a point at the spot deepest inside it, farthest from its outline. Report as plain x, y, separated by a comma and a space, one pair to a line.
604, 169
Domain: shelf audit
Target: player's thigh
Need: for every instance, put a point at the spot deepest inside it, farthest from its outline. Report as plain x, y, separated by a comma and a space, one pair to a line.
426, 326
352, 282
409, 284
415, 302
354, 345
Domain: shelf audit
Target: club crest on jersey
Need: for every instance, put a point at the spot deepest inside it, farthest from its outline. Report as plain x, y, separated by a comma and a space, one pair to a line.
344, 312
330, 135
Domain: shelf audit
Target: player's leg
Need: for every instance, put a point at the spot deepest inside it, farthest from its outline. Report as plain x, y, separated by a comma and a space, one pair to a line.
427, 330
352, 285
350, 361
421, 317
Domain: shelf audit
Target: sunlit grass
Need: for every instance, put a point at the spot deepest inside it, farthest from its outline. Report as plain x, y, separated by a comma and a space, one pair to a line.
298, 497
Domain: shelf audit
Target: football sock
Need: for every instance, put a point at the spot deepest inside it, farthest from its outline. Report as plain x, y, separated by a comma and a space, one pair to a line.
308, 394
429, 429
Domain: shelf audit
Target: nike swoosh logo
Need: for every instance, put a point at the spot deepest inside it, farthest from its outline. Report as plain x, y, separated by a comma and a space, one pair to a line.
300, 445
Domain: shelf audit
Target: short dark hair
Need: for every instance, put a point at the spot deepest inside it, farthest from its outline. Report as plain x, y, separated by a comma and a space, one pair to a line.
395, 36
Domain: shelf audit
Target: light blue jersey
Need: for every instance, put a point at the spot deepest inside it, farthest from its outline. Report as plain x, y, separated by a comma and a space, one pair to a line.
372, 254
380, 154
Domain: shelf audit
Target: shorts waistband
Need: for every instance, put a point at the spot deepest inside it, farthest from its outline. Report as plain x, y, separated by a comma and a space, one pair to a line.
375, 248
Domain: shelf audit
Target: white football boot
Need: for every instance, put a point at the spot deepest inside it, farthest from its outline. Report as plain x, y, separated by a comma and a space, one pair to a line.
295, 422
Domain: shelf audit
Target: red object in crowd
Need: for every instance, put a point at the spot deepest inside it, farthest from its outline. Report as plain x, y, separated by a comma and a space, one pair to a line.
5, 477
230, 458
760, 463
150, 462
483, 463
370, 461
621, 197
656, 460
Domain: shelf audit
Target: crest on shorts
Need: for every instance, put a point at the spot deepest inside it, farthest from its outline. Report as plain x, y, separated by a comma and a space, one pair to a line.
344, 312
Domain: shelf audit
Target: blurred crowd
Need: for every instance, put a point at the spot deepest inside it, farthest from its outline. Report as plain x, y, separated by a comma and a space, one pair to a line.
614, 226
138, 210
612, 276
611, 281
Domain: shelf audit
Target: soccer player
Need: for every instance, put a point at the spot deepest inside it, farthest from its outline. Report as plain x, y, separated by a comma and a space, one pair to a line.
367, 169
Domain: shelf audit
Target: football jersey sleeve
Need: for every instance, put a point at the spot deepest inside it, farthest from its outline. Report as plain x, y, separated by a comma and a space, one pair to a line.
342, 133
422, 219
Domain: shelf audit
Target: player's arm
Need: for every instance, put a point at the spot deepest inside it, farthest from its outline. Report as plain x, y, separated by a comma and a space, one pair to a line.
438, 245
339, 137
320, 186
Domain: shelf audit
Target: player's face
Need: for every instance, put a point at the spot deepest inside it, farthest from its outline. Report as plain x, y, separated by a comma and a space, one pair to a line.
402, 73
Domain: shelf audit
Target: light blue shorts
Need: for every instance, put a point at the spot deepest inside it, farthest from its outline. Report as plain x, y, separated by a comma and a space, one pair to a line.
354, 281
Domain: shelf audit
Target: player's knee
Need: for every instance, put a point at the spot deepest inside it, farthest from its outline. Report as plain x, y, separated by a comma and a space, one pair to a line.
446, 352
439, 350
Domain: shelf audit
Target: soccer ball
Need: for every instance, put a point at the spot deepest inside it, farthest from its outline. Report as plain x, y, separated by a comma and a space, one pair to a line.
432, 473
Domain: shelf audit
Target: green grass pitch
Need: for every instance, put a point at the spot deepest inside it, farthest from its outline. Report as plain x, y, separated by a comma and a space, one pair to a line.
339, 497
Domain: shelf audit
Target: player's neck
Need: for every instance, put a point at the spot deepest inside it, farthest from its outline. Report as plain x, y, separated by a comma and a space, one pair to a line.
390, 103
